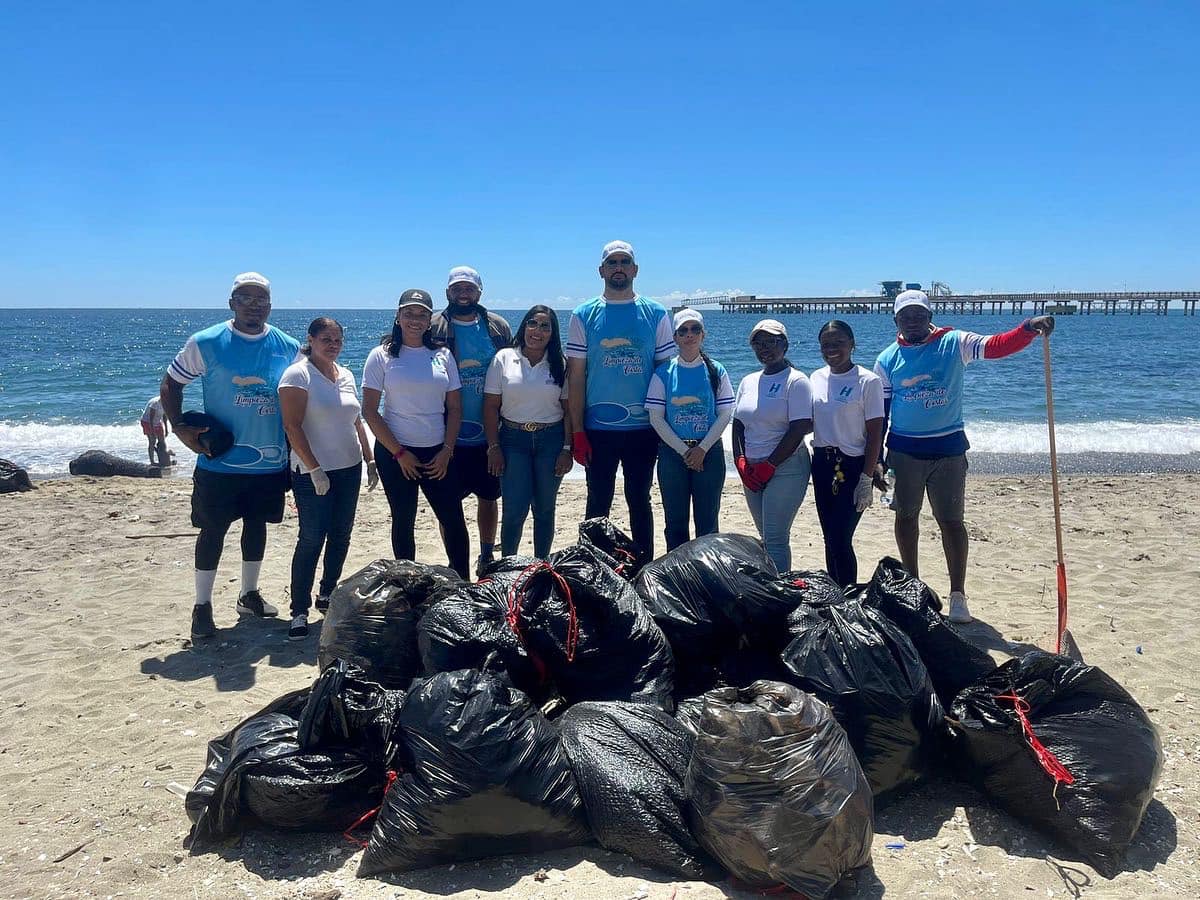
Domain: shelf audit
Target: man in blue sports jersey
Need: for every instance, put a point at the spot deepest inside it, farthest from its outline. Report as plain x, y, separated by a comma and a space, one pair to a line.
922, 374
614, 343
473, 335
238, 363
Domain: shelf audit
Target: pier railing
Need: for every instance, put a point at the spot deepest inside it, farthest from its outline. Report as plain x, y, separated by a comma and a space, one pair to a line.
1053, 302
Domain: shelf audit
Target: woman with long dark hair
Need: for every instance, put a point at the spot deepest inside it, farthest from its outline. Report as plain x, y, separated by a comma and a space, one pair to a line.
690, 402
417, 380
847, 437
772, 413
319, 402
524, 406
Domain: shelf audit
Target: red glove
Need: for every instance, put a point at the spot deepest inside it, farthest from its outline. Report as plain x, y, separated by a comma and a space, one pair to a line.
763, 472
746, 473
582, 448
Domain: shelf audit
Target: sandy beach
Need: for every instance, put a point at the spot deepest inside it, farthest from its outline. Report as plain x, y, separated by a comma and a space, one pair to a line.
106, 707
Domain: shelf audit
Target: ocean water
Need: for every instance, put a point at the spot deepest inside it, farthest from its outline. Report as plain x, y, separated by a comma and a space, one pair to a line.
1125, 386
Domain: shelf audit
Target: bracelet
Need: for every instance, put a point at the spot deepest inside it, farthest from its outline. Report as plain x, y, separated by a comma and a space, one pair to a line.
399, 453
567, 448
448, 447
493, 446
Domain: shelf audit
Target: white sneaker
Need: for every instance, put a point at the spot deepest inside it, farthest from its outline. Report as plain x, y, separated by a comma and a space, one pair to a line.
959, 613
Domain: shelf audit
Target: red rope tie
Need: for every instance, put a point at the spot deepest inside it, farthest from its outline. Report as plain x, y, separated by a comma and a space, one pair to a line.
800, 582
516, 597
1047, 760
348, 834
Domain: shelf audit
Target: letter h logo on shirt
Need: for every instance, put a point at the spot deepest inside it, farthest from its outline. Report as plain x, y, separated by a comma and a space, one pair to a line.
846, 392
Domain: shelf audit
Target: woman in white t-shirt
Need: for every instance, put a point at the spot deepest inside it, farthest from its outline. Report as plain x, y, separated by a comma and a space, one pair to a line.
417, 380
319, 403
772, 412
524, 406
847, 436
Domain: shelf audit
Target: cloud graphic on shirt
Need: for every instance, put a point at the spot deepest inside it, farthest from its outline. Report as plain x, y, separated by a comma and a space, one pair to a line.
916, 379
684, 401
609, 343
246, 380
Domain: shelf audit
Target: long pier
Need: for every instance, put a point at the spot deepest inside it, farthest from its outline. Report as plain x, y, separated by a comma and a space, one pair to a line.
1053, 303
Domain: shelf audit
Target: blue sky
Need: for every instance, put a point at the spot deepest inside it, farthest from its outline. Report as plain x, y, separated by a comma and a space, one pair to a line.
350, 151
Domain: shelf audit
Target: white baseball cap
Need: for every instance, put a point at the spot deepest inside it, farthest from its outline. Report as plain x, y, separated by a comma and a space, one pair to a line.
250, 278
911, 298
769, 326
464, 274
617, 247
687, 315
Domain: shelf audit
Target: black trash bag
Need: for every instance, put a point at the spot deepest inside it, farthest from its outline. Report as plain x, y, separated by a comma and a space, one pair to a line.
591, 631
373, 615
953, 661
869, 673
708, 593
775, 792
613, 546
507, 564
345, 710
486, 777
810, 588
629, 761
687, 713
1099, 735
257, 774
13, 479
467, 624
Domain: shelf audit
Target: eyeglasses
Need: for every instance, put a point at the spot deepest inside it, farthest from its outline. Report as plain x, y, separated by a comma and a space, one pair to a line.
618, 262
243, 300
539, 326
766, 343
690, 329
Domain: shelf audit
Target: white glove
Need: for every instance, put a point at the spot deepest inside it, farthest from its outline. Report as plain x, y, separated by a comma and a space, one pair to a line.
372, 475
320, 481
864, 492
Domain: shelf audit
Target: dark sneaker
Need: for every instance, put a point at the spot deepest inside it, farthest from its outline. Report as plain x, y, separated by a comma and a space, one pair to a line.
202, 621
252, 603
322, 603
482, 564
299, 628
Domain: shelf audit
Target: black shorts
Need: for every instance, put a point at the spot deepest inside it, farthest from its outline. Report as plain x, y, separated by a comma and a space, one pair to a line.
219, 499
469, 469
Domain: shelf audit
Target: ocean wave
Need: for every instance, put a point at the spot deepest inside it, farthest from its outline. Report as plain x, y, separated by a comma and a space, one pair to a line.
46, 449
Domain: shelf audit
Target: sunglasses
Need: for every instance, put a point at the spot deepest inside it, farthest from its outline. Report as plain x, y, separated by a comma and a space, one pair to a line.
766, 343
690, 329
242, 300
539, 326
618, 262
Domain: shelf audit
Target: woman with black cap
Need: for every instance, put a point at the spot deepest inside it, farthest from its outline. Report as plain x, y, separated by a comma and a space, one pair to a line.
417, 380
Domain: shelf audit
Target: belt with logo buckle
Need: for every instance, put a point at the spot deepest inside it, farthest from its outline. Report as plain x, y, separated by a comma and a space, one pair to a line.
530, 426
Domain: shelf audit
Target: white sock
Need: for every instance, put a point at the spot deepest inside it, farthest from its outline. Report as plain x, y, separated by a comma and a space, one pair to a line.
250, 572
205, 579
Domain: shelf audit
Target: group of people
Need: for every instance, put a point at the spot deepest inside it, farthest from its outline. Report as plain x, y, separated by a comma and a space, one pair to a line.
457, 405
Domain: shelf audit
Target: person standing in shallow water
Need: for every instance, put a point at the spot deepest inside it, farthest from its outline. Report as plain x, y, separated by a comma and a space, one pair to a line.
847, 438
321, 415
524, 406
238, 364
772, 412
690, 402
922, 375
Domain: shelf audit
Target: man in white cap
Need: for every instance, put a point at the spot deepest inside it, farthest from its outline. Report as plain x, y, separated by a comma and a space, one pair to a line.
238, 363
473, 335
922, 374
614, 343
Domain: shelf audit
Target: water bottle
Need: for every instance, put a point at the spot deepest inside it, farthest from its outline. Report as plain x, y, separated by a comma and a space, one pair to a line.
886, 500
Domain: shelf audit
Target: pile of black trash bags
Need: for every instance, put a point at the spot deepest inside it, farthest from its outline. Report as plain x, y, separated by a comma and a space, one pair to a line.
702, 713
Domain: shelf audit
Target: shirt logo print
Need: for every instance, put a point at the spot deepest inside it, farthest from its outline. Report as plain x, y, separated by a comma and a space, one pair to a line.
773, 389
846, 392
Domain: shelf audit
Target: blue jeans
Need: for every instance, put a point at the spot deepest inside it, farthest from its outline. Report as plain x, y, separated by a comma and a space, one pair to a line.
774, 508
324, 522
529, 482
684, 491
